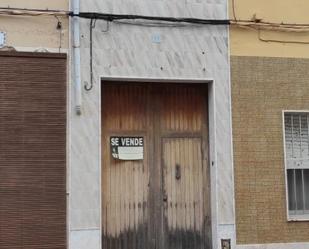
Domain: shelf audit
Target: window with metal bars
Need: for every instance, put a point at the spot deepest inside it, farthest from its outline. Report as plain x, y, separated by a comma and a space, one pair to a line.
297, 163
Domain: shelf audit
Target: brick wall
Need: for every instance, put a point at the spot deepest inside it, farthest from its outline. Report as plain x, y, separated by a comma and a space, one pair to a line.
261, 88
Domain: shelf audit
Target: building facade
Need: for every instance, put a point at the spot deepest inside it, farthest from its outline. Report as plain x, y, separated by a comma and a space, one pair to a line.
169, 64
33, 127
124, 126
270, 126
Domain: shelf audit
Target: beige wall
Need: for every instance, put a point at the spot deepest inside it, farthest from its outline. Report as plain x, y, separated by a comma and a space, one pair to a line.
262, 88
29, 33
39, 4
245, 42
267, 77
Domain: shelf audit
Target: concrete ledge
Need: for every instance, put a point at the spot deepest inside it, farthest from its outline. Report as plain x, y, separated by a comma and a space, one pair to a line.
276, 246
85, 239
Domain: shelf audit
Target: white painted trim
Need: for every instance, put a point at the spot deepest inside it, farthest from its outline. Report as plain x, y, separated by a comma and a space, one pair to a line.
233, 240
285, 168
290, 218
211, 123
37, 49
295, 111
85, 229
100, 155
158, 80
275, 246
213, 162
300, 217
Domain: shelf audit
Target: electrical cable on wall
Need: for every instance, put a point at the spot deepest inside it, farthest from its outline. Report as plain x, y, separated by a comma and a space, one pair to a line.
159, 21
163, 21
258, 25
59, 28
279, 41
92, 26
117, 17
234, 11
156, 24
32, 12
113, 17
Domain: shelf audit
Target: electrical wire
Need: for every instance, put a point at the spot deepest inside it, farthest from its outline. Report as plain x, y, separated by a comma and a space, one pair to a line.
59, 28
274, 28
268, 25
279, 41
233, 9
157, 21
161, 21
32, 12
259, 25
92, 26
156, 24
113, 17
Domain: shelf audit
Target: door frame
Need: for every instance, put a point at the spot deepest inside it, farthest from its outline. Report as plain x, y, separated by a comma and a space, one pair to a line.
212, 137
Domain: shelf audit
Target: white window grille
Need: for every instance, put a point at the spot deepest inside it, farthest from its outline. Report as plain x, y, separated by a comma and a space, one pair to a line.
297, 163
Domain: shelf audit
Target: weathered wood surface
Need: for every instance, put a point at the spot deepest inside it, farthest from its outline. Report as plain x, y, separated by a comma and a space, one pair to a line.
161, 201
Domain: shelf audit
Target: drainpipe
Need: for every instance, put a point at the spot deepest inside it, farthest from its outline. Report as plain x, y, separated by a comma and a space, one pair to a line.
76, 58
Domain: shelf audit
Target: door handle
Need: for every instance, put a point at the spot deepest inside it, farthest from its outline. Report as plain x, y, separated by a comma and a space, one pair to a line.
178, 172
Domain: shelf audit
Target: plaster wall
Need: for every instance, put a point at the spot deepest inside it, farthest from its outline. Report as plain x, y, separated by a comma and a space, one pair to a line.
245, 42
123, 51
275, 246
26, 33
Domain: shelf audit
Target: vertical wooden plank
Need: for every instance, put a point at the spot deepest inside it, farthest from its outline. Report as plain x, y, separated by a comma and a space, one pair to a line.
174, 189
174, 114
112, 217
200, 187
136, 200
206, 171
191, 198
145, 191
118, 169
123, 185
151, 197
178, 191
182, 181
158, 169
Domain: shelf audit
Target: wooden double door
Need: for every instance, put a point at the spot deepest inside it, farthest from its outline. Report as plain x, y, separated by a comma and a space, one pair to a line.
163, 200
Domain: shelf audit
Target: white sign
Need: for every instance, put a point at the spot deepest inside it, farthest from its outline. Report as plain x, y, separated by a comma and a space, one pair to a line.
2, 39
156, 38
127, 148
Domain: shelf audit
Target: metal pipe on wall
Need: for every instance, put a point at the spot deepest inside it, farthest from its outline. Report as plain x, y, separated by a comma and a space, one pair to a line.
76, 58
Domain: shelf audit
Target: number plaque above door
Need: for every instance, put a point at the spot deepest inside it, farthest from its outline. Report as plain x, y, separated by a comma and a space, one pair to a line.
127, 148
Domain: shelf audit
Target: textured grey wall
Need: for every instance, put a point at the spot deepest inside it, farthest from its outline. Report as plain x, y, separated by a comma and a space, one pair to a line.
188, 52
